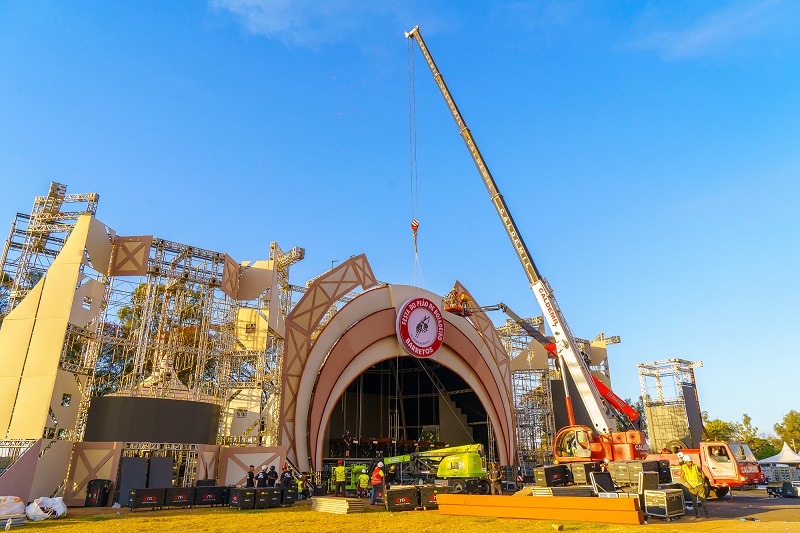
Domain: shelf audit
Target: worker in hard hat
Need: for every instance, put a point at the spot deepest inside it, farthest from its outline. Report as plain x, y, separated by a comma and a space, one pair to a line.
376, 480
362, 485
495, 475
692, 476
340, 479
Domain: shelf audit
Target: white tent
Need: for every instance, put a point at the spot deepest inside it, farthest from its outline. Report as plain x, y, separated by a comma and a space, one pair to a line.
787, 456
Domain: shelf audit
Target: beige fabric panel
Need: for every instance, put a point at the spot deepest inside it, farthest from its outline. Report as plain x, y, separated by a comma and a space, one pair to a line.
45, 347
98, 245
93, 290
41, 364
254, 280
257, 339
17, 480
31, 412
51, 471
15, 338
66, 384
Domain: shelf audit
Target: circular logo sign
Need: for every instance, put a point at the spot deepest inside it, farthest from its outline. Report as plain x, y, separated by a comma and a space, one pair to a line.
420, 327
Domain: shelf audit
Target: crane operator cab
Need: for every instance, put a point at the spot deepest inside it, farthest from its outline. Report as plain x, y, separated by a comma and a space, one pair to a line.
574, 443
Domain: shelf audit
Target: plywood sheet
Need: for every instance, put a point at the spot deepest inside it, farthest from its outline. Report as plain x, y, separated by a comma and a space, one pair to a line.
45, 347
254, 278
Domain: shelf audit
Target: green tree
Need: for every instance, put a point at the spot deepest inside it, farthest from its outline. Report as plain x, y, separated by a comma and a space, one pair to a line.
717, 429
789, 429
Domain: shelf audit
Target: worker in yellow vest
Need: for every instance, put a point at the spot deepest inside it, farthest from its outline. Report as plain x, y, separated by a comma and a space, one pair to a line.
340, 478
695, 481
363, 484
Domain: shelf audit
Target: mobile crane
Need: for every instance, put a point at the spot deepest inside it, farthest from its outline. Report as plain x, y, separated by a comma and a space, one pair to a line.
578, 443
574, 443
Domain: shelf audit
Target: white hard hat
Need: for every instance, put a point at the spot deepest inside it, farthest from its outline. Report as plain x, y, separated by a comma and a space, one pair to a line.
687, 459
680, 455
363, 471
380, 464
264, 467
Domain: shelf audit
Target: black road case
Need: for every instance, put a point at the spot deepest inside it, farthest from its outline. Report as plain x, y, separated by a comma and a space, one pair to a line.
427, 495
97, 492
550, 476
580, 471
180, 497
209, 496
242, 498
401, 498
666, 503
288, 495
147, 498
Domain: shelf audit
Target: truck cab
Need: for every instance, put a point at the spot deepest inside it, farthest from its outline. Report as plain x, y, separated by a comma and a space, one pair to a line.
729, 464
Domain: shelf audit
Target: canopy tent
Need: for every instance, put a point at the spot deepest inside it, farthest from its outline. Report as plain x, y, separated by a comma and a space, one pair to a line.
787, 456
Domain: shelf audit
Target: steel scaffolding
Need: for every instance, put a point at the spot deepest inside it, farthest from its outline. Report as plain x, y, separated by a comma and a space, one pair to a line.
533, 401
671, 405
533, 410
35, 240
170, 333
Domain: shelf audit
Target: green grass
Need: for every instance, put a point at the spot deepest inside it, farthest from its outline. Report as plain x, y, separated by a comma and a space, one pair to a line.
301, 518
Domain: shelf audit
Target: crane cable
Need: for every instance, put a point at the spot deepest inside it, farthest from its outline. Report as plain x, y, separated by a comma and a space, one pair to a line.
417, 279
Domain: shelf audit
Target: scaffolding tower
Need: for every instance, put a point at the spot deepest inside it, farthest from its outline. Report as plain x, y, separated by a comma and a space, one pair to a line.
533, 400
671, 404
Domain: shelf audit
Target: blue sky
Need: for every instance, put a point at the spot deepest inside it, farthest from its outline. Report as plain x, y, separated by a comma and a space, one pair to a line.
648, 151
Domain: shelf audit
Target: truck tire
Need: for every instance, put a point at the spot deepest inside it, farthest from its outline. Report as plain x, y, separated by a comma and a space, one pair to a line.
457, 487
483, 487
719, 492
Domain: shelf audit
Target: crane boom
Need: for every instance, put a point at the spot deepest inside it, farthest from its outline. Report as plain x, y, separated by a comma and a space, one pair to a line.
564, 340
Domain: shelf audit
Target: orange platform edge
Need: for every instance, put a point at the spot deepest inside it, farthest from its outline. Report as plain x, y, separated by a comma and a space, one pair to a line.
609, 511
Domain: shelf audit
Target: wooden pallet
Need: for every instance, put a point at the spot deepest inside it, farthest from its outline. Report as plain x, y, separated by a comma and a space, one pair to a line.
555, 491
16, 520
578, 492
337, 505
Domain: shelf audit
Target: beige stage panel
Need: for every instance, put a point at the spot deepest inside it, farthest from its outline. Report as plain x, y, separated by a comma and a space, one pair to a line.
32, 407
90, 460
235, 461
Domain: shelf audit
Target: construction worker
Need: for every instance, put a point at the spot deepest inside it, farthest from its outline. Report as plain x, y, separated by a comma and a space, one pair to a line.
340, 479
363, 484
377, 483
250, 477
495, 476
695, 481
272, 476
261, 477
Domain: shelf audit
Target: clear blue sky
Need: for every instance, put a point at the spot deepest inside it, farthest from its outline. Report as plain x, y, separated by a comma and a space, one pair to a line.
649, 152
